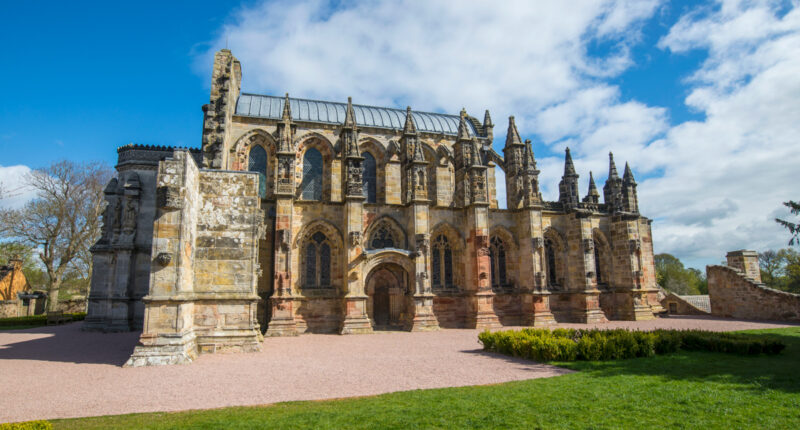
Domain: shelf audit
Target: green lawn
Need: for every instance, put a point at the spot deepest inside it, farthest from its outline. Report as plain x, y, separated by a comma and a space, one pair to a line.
682, 390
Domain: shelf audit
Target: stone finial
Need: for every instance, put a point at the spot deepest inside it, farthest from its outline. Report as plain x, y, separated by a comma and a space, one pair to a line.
350, 115
287, 109
463, 131
409, 127
627, 178
569, 167
512, 135
487, 120
612, 168
530, 160
593, 196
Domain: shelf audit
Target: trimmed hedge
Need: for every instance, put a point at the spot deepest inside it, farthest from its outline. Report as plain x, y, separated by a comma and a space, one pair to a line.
618, 344
36, 319
27, 425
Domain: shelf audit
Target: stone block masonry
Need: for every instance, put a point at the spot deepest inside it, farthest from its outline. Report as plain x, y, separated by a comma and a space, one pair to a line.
735, 295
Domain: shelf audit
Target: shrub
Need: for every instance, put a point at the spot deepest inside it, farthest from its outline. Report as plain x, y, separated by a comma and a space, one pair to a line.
36, 319
28, 425
618, 344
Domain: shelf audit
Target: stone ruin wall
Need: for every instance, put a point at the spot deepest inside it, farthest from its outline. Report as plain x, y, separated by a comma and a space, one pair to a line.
203, 283
736, 291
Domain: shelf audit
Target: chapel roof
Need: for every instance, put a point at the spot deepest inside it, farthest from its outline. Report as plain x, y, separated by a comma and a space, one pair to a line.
264, 106
701, 302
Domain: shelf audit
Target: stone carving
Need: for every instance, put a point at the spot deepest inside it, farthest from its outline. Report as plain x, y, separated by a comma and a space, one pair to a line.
634, 245
129, 216
423, 243
588, 246
355, 172
284, 178
169, 198
355, 238
283, 239
164, 258
537, 242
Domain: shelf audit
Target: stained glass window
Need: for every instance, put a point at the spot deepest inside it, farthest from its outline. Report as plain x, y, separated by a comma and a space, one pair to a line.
325, 265
311, 187
257, 162
318, 261
370, 178
311, 265
436, 267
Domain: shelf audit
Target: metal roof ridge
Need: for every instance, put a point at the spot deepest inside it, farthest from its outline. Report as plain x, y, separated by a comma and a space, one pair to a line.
354, 104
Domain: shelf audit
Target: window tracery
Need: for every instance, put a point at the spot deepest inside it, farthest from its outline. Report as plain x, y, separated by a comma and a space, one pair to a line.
383, 237
441, 262
497, 257
311, 187
318, 262
550, 255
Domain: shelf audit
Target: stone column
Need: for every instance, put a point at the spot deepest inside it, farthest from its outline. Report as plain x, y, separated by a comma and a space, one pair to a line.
633, 292
282, 322
482, 296
586, 297
355, 320
534, 296
423, 318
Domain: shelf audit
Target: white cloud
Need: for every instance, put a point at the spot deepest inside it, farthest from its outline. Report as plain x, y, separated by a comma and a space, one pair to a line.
711, 185
11, 181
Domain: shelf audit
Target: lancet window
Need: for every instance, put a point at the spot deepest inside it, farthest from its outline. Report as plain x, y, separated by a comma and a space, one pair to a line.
370, 178
550, 256
257, 162
497, 257
597, 264
441, 262
318, 262
311, 187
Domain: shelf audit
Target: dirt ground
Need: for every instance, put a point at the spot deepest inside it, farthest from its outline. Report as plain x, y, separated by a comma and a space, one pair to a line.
61, 372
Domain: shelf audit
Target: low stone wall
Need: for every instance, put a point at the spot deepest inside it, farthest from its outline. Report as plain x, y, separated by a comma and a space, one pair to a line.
9, 308
677, 305
735, 296
72, 306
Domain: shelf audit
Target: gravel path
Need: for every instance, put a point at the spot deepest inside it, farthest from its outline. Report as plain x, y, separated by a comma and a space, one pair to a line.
60, 372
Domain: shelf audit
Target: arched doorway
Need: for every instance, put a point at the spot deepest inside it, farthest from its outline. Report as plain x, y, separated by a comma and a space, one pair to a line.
386, 292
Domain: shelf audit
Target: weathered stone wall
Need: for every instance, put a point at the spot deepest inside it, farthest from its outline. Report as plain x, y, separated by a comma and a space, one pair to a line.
734, 295
675, 305
72, 306
9, 308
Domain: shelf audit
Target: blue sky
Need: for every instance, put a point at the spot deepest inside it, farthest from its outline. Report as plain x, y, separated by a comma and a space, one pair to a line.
701, 97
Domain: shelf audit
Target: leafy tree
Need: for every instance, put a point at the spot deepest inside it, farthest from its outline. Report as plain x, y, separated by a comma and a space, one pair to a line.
673, 276
794, 228
780, 269
62, 221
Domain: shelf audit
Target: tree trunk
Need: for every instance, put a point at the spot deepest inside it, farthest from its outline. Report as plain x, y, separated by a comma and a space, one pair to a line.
52, 295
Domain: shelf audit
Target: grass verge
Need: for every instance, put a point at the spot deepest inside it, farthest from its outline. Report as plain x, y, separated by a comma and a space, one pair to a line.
681, 390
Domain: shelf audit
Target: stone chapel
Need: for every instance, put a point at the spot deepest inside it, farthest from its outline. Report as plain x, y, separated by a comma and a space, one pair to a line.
300, 216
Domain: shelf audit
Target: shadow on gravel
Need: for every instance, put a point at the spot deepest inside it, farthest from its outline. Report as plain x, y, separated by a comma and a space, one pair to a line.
524, 364
67, 343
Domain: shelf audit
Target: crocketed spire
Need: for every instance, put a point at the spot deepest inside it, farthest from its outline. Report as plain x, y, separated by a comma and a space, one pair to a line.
593, 196
350, 115
569, 168
287, 109
463, 131
627, 177
612, 168
409, 127
512, 135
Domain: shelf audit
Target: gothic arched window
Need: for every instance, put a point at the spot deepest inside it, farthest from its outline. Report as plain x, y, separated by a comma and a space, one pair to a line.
497, 257
257, 162
442, 262
599, 273
318, 262
311, 187
383, 237
370, 178
550, 256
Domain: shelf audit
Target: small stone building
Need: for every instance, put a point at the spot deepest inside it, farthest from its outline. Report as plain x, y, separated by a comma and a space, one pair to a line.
299, 215
686, 305
16, 297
